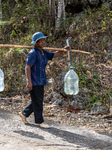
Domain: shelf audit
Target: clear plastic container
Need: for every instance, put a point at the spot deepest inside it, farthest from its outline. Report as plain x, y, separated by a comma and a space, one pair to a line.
71, 82
1, 80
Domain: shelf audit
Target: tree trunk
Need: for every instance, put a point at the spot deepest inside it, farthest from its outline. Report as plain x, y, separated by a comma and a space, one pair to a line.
0, 10
53, 12
60, 14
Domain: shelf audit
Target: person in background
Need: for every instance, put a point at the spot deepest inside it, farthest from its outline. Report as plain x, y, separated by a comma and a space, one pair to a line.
36, 62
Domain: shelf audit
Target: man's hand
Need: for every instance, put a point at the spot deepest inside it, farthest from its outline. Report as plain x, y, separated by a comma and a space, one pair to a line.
56, 54
67, 47
29, 86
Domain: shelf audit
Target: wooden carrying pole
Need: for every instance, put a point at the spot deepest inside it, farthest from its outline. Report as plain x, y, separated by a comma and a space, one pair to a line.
46, 48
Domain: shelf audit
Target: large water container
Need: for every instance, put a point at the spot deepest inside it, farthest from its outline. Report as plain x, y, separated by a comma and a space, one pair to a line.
71, 82
1, 80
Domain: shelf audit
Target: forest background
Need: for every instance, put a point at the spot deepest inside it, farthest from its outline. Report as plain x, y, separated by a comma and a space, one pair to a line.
90, 27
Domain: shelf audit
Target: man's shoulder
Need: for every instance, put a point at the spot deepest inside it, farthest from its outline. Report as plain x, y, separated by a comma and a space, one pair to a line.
32, 51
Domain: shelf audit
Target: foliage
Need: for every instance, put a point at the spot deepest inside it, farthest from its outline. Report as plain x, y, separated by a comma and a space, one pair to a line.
95, 23
90, 31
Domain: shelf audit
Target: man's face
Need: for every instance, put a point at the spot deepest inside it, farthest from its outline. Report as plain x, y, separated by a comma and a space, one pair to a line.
41, 43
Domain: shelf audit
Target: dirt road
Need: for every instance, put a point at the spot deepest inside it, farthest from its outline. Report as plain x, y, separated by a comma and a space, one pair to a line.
14, 135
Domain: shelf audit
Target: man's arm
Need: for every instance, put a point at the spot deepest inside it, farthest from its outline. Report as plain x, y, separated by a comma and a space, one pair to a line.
57, 53
28, 76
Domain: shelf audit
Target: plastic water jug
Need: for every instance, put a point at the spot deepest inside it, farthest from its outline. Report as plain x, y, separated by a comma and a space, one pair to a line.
1, 80
71, 82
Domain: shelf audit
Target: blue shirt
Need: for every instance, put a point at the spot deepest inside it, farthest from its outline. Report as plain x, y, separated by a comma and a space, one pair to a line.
38, 62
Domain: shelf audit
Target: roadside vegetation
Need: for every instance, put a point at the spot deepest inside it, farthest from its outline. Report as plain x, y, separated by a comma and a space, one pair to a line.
91, 31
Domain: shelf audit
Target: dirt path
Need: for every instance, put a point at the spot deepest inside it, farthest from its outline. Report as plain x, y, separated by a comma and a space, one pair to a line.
15, 135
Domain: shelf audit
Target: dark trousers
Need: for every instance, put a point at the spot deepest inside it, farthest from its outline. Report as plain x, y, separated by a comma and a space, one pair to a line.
36, 105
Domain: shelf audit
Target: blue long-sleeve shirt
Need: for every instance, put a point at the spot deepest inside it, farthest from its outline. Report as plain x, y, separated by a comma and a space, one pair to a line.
38, 62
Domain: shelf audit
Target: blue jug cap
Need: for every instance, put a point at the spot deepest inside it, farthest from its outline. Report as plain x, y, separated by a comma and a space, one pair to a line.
71, 67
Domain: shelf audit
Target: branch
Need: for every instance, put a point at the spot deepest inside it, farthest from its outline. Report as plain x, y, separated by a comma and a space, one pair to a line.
46, 48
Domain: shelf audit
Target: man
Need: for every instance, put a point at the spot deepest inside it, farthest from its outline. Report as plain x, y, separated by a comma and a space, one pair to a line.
37, 60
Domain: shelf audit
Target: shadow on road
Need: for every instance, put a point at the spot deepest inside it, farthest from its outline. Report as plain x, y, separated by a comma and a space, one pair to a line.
29, 134
80, 139
84, 140
74, 138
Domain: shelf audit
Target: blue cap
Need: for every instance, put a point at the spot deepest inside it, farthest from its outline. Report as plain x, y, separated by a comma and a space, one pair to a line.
71, 67
37, 36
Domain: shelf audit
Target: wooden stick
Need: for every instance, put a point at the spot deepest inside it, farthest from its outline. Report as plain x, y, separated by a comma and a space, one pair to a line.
68, 58
68, 55
107, 116
46, 48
